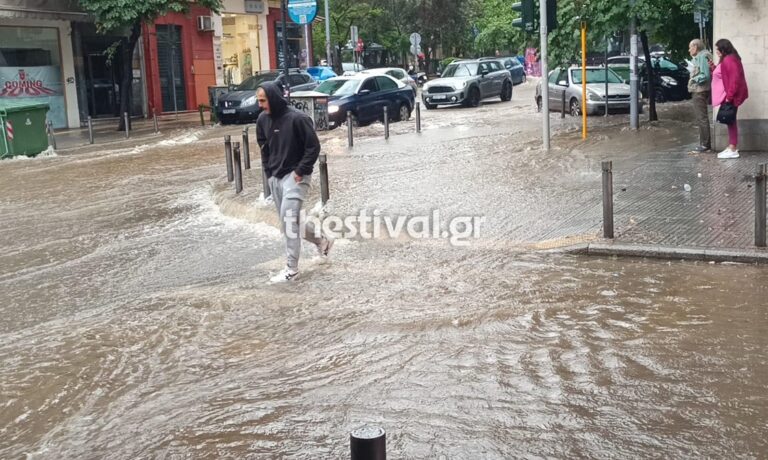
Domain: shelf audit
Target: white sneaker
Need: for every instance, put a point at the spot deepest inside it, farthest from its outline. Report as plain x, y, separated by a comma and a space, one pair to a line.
728, 153
325, 246
284, 276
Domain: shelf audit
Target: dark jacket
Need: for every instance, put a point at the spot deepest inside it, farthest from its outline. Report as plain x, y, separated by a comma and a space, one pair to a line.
286, 136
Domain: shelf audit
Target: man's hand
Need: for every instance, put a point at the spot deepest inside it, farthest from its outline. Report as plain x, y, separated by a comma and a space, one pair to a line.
297, 178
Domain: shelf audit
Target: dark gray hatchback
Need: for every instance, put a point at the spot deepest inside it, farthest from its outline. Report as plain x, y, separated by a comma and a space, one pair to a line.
239, 104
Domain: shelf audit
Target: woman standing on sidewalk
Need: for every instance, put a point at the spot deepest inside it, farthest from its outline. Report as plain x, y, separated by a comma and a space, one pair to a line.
729, 86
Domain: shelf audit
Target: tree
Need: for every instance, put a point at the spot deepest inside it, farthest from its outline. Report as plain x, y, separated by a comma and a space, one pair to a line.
126, 17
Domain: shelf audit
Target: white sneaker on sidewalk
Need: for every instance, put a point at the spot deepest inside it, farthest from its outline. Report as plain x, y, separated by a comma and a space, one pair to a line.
285, 276
728, 153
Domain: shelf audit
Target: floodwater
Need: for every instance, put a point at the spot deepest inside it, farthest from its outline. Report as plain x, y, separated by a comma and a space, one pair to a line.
137, 322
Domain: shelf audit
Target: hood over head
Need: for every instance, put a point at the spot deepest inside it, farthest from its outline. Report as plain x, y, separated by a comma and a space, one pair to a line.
277, 103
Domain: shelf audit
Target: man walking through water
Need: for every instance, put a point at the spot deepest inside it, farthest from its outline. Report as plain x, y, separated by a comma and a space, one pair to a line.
289, 149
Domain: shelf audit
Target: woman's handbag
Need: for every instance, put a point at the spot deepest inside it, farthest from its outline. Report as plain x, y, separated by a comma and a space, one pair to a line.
727, 113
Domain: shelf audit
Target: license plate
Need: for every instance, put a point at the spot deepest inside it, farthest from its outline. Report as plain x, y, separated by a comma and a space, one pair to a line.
228, 111
438, 98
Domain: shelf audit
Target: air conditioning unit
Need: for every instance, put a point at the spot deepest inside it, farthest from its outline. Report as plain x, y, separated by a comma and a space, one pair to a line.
204, 23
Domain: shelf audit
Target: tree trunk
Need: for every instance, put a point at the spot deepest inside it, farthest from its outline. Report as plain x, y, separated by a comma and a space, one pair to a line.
650, 74
126, 83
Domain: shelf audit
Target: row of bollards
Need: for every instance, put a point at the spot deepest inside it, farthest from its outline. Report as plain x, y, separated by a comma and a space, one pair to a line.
351, 122
761, 213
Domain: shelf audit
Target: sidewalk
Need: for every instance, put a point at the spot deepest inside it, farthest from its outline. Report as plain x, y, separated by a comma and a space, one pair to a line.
105, 130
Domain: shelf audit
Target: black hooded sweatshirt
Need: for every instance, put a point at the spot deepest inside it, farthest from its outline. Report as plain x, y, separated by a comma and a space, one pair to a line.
286, 136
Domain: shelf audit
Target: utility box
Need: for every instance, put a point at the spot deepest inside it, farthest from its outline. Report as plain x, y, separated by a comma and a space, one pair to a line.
313, 104
23, 128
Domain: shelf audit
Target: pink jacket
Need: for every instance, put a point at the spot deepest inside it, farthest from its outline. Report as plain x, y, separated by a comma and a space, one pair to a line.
733, 80
718, 87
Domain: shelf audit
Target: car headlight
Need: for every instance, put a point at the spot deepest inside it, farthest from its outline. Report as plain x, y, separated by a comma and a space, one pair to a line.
593, 96
333, 109
251, 100
666, 79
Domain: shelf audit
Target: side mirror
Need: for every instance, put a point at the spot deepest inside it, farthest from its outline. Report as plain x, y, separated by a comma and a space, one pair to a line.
562, 83
485, 72
364, 92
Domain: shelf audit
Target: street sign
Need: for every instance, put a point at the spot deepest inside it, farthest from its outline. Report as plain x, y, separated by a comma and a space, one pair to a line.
353, 34
415, 49
302, 11
415, 39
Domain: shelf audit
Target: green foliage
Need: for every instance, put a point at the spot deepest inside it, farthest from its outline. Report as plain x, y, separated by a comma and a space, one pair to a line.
118, 15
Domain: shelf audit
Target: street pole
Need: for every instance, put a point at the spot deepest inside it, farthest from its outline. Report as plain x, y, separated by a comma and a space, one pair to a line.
544, 72
606, 76
634, 115
310, 58
328, 33
584, 79
284, 45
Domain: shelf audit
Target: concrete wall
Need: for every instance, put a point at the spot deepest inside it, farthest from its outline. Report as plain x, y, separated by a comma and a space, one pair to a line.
745, 24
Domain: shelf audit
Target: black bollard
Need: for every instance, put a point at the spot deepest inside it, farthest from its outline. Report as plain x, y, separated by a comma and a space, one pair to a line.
238, 170
607, 199
246, 150
418, 117
760, 211
386, 123
154, 120
90, 130
202, 117
350, 140
324, 192
562, 109
127, 128
228, 158
368, 443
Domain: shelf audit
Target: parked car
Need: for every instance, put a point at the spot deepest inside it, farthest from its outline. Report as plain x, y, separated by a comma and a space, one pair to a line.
568, 82
239, 104
396, 73
351, 68
364, 96
468, 82
512, 64
321, 73
671, 79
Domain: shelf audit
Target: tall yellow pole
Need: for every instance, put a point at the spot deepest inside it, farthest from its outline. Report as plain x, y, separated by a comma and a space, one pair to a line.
584, 79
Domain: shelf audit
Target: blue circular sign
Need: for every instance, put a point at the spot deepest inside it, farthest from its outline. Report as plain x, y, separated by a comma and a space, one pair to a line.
302, 11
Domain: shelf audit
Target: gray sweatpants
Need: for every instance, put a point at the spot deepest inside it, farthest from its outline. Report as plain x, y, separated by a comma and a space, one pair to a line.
289, 196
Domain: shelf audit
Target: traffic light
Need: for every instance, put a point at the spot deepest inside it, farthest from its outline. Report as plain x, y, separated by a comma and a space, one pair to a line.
551, 15
527, 19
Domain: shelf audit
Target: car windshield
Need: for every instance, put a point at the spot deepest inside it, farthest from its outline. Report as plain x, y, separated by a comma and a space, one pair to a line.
251, 83
664, 63
595, 76
338, 87
460, 70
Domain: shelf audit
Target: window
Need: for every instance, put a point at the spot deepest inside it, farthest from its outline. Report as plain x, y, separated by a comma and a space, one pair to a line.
296, 79
553, 76
386, 84
595, 76
460, 70
495, 66
484, 67
399, 74
369, 84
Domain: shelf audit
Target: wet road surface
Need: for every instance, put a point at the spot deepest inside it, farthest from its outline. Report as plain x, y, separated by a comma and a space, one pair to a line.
137, 323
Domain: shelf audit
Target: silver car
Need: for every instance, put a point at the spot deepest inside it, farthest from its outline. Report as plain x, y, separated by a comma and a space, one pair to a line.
467, 83
567, 83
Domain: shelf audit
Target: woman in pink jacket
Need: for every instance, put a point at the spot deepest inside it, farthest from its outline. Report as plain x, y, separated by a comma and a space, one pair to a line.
729, 85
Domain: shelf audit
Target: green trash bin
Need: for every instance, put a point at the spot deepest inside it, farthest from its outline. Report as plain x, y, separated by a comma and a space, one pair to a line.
23, 128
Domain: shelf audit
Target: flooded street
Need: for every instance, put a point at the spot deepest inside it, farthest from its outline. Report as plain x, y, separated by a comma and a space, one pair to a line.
137, 322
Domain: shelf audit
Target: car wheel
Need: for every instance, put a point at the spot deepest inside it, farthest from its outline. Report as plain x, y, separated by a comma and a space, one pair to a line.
661, 96
403, 113
506, 92
575, 108
474, 97
538, 104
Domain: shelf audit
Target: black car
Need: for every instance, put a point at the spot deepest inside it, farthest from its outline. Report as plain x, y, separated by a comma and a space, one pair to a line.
365, 96
671, 79
239, 104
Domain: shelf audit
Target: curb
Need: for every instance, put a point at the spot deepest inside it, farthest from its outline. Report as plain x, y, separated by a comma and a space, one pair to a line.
748, 256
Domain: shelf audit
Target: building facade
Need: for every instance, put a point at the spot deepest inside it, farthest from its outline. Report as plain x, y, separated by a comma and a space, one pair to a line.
745, 24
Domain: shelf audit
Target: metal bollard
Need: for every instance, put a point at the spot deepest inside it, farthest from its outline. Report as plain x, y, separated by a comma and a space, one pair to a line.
324, 192
238, 170
228, 158
125, 118
202, 117
246, 150
418, 117
760, 211
386, 123
350, 140
368, 443
90, 130
562, 109
154, 120
607, 199
51, 134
